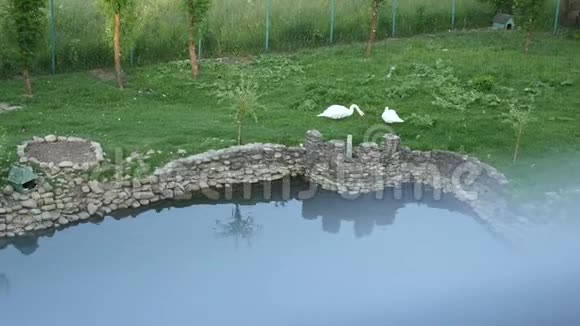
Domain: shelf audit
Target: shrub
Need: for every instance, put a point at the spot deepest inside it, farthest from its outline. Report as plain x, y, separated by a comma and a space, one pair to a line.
421, 121
483, 83
519, 116
245, 100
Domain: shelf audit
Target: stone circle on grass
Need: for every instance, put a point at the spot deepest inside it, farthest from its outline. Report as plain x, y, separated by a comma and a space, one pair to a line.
61, 153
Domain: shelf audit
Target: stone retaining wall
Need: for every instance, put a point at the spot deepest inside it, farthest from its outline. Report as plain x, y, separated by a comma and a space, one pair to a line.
71, 197
374, 167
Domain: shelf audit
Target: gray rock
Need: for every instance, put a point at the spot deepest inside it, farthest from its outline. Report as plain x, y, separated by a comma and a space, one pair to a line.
50, 138
48, 208
96, 187
143, 195
92, 209
62, 220
30, 203
136, 184
48, 201
45, 216
65, 164
8, 190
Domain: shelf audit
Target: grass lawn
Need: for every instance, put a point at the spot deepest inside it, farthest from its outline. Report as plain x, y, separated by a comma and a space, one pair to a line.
458, 86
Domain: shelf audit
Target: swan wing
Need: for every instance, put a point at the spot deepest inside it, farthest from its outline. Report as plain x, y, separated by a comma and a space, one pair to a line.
390, 116
335, 112
396, 117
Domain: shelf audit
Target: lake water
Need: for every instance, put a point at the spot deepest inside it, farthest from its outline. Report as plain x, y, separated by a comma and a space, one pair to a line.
322, 261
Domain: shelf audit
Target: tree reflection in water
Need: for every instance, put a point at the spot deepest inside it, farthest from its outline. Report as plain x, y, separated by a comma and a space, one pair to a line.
4, 285
238, 227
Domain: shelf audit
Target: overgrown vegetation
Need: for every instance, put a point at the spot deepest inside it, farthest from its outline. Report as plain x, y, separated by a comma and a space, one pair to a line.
160, 32
528, 14
504, 6
164, 110
26, 18
6, 155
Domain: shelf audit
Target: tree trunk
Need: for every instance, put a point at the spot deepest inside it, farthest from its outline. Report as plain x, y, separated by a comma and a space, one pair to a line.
192, 54
27, 82
518, 140
528, 42
239, 132
117, 46
373, 33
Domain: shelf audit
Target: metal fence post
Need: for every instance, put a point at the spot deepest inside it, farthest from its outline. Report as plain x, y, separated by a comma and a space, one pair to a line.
52, 39
199, 43
394, 8
453, 13
199, 48
332, 15
557, 17
268, 11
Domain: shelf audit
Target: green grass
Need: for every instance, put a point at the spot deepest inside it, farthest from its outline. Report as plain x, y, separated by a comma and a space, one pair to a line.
163, 109
236, 27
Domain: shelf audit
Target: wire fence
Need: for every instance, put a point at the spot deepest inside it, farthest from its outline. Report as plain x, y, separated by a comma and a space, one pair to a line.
78, 36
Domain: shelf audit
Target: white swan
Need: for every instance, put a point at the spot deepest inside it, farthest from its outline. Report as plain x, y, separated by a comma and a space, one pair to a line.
337, 112
391, 116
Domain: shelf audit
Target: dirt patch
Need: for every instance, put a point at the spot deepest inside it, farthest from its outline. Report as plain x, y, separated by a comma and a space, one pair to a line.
106, 75
234, 60
77, 152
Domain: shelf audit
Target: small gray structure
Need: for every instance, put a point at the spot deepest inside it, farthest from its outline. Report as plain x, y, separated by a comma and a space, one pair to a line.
503, 22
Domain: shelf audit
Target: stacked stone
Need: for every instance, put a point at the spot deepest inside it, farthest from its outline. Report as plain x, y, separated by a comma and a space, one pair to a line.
392, 144
69, 196
375, 167
316, 149
75, 198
